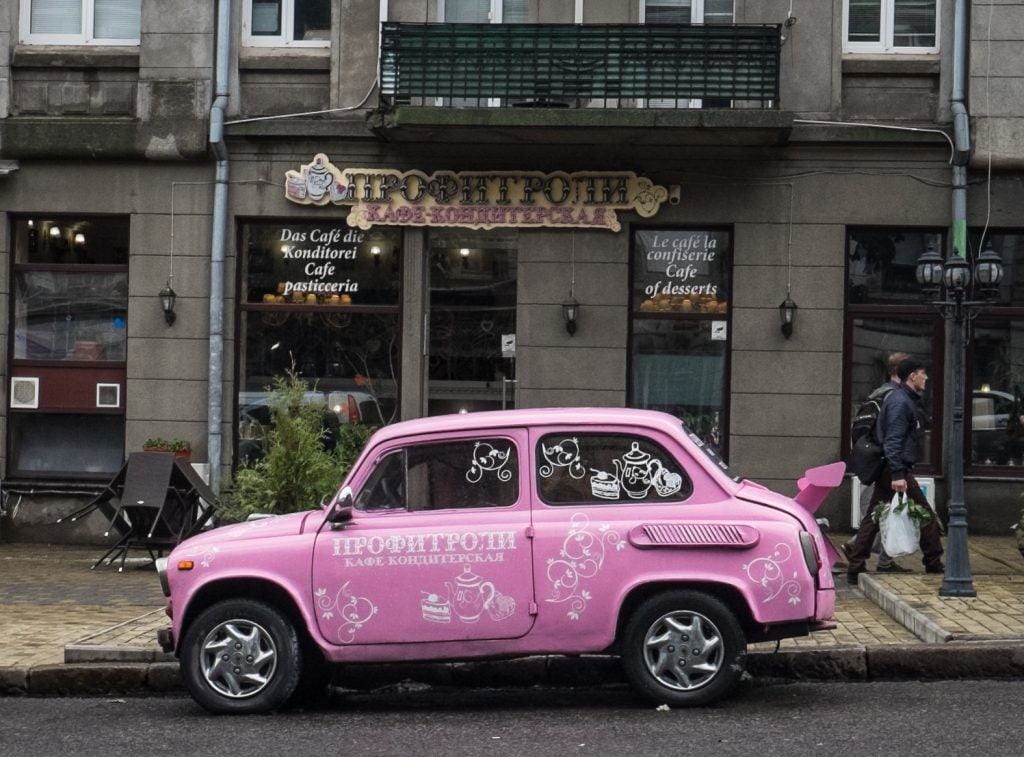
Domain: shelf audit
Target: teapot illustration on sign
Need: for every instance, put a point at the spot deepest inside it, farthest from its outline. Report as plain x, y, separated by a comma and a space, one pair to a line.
636, 472
470, 595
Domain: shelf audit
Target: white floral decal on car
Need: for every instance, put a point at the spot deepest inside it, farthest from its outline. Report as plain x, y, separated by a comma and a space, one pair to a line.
768, 573
355, 611
206, 554
581, 557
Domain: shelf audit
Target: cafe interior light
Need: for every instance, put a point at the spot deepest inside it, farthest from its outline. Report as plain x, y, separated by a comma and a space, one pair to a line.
79, 239
55, 231
375, 251
167, 298
787, 313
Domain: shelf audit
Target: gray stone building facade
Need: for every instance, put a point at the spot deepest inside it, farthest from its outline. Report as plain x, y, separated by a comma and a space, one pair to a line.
824, 192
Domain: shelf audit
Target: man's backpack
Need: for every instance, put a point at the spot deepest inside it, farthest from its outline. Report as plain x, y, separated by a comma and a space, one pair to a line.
867, 414
867, 459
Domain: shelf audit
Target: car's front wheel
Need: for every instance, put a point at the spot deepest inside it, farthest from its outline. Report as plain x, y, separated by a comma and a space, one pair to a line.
241, 656
683, 648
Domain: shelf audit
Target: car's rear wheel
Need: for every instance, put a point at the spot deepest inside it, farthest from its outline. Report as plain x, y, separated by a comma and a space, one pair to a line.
241, 656
683, 648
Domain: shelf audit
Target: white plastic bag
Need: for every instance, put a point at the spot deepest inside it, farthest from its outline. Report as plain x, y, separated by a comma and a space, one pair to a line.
901, 534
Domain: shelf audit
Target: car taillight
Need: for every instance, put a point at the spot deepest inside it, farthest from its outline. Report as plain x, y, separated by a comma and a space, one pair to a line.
353, 410
811, 555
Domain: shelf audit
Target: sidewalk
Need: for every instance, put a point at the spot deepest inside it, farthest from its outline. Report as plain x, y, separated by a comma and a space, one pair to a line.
67, 629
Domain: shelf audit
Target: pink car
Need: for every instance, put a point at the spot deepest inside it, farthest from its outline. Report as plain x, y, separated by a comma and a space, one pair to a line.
508, 534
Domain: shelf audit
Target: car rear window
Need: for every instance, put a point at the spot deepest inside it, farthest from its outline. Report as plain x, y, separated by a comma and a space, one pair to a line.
607, 469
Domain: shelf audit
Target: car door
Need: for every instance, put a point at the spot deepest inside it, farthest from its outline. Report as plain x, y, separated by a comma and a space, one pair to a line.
593, 486
438, 548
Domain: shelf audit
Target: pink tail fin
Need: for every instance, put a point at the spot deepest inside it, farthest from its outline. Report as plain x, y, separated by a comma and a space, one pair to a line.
816, 483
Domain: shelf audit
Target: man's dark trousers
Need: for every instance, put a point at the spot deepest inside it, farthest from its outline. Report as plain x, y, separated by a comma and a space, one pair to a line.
931, 544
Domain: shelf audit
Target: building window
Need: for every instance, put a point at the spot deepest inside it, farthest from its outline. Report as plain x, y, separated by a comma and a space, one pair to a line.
472, 305
679, 342
80, 22
322, 299
890, 26
68, 334
687, 12
287, 23
995, 407
887, 313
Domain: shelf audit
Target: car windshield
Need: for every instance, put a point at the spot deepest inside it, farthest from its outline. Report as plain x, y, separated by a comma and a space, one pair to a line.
712, 454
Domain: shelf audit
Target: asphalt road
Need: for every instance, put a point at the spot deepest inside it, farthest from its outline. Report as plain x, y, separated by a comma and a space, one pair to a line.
905, 719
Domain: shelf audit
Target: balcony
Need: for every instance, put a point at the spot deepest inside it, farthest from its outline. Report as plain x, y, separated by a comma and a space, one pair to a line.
607, 79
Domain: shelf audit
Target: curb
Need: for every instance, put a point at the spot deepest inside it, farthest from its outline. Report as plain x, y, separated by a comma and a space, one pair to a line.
951, 661
915, 621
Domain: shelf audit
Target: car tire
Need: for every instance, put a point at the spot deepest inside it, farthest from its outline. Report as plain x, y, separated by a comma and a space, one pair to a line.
683, 648
241, 656
314, 679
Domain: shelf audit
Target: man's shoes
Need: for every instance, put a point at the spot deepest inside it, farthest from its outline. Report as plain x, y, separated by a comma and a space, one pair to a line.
847, 547
893, 568
940, 568
851, 578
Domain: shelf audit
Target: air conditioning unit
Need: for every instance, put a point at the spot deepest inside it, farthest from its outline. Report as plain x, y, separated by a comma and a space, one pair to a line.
24, 393
108, 395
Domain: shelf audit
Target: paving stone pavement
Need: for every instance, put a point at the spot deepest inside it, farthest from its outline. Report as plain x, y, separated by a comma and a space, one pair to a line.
50, 597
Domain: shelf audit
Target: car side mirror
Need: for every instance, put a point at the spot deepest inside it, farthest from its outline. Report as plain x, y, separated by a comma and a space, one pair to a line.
341, 512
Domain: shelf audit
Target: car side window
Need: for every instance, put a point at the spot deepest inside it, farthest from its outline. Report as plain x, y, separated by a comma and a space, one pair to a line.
607, 468
385, 489
459, 474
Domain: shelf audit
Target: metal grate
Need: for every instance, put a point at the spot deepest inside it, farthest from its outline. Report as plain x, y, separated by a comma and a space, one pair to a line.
696, 534
570, 64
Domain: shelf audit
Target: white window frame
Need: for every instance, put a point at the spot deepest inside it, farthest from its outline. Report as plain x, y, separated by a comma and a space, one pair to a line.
84, 38
885, 43
280, 40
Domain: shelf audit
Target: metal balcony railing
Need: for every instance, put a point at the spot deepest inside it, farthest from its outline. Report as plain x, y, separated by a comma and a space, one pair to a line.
579, 65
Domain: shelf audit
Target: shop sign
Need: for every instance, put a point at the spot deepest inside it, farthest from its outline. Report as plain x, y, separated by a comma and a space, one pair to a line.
475, 199
681, 271
321, 264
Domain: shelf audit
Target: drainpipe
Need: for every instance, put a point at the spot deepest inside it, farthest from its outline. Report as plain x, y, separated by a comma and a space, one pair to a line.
961, 129
215, 398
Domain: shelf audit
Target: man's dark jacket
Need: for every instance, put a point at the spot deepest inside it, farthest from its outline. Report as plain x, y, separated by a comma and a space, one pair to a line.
898, 429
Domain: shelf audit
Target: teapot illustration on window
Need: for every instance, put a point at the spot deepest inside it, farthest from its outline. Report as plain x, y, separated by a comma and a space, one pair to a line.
636, 471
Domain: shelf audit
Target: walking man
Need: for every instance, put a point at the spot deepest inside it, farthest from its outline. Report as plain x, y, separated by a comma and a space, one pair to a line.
898, 430
886, 564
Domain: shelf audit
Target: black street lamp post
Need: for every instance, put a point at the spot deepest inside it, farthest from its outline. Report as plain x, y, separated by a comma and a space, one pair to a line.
954, 276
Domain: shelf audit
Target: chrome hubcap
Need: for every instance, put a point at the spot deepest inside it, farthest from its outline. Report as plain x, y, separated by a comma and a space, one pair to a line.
238, 658
683, 650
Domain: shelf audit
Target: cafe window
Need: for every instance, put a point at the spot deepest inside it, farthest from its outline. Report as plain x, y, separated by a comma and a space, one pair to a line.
995, 405
472, 305
287, 23
886, 313
679, 341
68, 336
322, 299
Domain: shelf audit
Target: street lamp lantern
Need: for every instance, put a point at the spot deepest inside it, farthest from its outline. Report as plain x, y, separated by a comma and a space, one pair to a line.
988, 272
957, 274
929, 271
957, 306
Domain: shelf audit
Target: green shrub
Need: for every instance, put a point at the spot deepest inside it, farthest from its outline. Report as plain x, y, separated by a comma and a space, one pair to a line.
296, 472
